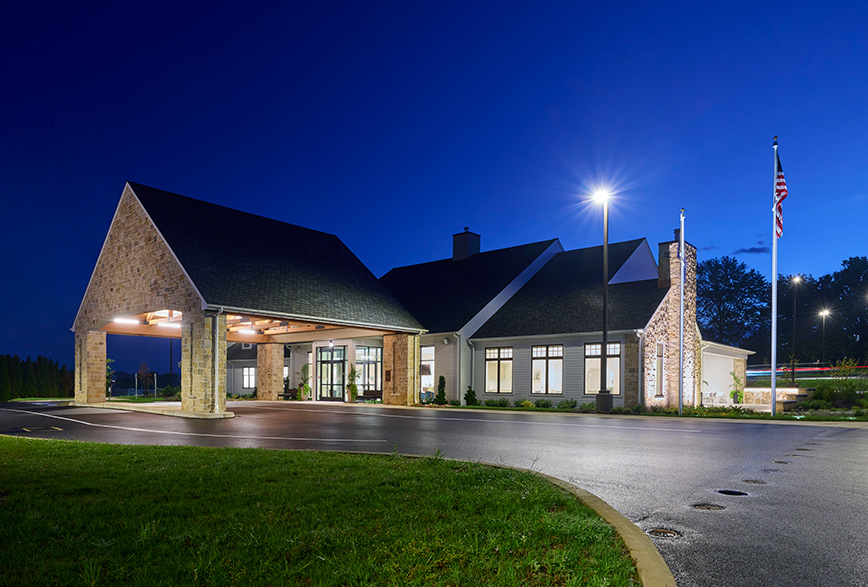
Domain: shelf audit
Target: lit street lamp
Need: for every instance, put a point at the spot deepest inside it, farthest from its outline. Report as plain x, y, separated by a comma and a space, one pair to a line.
796, 281
823, 314
604, 398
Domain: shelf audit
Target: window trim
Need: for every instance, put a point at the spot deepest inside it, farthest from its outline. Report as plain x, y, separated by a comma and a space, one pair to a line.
593, 351
548, 358
497, 355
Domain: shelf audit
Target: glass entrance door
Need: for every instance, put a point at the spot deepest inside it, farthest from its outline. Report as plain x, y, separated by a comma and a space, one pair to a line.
331, 371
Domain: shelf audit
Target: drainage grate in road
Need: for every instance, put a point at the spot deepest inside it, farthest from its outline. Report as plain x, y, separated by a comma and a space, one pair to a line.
781, 462
708, 506
805, 449
754, 481
731, 492
770, 470
795, 455
663, 533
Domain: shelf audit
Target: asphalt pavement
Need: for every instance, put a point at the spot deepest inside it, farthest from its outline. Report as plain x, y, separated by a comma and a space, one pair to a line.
727, 503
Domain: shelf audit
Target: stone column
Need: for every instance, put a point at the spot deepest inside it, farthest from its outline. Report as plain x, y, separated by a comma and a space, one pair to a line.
90, 365
199, 370
400, 369
631, 371
269, 371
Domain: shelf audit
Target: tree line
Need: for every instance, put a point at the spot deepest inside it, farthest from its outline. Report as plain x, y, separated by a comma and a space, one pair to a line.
43, 377
733, 306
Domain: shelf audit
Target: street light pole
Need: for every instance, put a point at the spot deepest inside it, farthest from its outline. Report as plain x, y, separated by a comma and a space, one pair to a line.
604, 398
796, 281
824, 313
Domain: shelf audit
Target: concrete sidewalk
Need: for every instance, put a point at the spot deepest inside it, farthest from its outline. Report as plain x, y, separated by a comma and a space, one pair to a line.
163, 408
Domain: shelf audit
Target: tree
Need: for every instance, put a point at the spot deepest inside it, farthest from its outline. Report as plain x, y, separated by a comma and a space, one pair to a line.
440, 398
143, 374
28, 387
5, 385
732, 303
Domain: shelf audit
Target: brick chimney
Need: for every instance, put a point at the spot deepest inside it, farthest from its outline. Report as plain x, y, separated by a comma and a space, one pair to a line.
464, 244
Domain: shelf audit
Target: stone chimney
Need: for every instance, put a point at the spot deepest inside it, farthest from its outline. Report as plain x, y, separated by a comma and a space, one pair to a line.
464, 244
669, 272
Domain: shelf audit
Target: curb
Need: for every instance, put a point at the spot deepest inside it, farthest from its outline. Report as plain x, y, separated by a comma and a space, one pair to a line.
161, 410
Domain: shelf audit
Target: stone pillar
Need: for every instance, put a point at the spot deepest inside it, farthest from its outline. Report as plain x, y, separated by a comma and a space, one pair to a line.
199, 370
400, 369
631, 371
90, 365
269, 371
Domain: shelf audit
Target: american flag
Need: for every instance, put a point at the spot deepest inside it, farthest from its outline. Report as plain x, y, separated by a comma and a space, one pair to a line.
780, 196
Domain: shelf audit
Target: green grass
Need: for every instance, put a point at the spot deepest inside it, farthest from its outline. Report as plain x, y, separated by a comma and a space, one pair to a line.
94, 514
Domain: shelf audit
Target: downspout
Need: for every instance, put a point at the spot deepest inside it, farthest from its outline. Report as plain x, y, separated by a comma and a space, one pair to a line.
458, 367
214, 359
641, 334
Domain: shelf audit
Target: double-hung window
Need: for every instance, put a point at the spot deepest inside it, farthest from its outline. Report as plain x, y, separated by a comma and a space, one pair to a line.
248, 377
498, 370
547, 369
613, 368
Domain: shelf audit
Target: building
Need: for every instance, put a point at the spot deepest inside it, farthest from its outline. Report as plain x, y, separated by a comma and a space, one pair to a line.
520, 323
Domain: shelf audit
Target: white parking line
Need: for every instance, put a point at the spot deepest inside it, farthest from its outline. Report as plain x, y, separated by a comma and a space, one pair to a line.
131, 429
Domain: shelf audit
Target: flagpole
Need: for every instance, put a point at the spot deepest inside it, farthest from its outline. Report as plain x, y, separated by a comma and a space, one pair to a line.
681, 256
774, 278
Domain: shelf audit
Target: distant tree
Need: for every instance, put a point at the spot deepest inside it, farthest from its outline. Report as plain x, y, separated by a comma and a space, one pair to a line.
5, 385
28, 388
16, 375
109, 376
43, 377
144, 374
67, 382
732, 303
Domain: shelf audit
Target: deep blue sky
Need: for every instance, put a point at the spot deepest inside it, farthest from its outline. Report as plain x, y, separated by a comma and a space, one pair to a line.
394, 125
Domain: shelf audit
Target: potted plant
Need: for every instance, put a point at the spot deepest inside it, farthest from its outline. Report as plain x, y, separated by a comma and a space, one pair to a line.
303, 382
352, 387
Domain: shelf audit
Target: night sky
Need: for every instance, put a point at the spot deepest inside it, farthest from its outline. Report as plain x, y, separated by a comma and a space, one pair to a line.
395, 125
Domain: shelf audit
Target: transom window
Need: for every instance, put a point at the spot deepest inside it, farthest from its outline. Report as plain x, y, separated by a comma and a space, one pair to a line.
613, 367
498, 370
547, 369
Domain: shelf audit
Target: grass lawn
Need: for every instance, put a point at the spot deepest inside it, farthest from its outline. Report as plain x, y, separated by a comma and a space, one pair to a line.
76, 513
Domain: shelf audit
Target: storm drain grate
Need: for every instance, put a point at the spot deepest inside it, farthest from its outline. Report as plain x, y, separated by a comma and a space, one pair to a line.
754, 481
731, 492
805, 449
770, 470
663, 533
708, 506
782, 462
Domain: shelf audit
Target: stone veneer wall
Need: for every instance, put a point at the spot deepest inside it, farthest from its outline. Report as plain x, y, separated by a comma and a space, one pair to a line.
400, 369
90, 366
664, 327
198, 367
136, 272
631, 370
269, 371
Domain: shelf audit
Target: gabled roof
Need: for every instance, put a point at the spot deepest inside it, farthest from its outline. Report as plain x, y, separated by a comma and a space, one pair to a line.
566, 296
444, 295
235, 351
245, 262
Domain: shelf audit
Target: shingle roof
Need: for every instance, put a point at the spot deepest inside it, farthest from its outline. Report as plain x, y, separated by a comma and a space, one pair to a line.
566, 296
246, 262
444, 295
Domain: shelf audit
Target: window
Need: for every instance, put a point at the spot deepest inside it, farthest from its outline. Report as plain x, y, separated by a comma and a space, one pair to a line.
248, 377
613, 368
498, 370
369, 364
426, 373
246, 346
547, 369
658, 383
285, 372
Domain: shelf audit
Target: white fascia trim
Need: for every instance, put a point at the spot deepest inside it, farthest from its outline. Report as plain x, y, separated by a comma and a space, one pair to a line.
558, 334
510, 290
640, 266
302, 318
724, 350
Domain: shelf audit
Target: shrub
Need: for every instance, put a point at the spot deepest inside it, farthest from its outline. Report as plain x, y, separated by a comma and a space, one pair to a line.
567, 404
440, 398
587, 408
470, 397
454, 402
497, 403
543, 403
523, 403
170, 391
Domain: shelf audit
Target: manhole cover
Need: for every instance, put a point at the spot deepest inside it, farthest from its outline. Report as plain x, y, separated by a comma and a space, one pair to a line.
770, 470
708, 506
663, 533
781, 462
755, 481
731, 492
